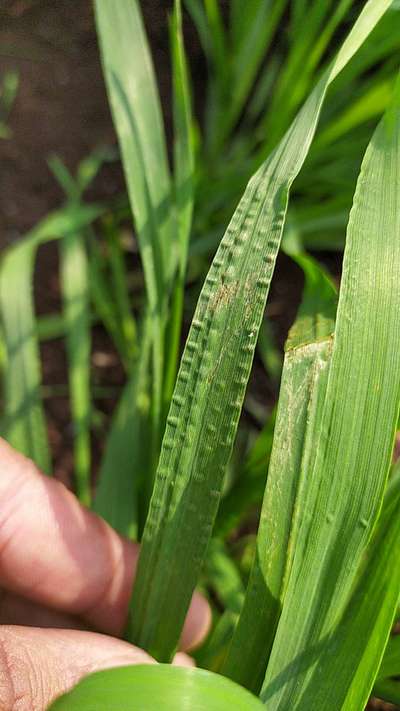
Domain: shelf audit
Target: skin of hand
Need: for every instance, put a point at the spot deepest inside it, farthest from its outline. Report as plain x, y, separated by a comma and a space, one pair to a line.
63, 571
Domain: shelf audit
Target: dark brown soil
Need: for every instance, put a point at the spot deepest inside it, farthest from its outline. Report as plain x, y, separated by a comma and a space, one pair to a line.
377, 705
61, 107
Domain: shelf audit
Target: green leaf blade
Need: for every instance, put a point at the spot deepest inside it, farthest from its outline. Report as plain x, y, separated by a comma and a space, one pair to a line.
125, 461
184, 167
136, 111
137, 116
362, 631
75, 291
301, 400
217, 359
23, 425
360, 416
152, 687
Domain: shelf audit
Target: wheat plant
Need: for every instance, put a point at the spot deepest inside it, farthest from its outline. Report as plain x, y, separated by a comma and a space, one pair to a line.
309, 625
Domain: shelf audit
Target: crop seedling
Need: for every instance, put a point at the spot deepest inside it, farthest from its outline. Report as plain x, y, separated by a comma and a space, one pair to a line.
303, 611
8, 93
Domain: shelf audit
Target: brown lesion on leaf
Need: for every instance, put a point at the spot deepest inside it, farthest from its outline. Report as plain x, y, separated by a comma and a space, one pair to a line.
250, 295
224, 295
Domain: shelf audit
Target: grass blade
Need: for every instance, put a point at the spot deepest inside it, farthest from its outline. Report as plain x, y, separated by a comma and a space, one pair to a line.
370, 105
74, 282
156, 686
125, 460
268, 351
184, 164
360, 415
391, 660
301, 399
137, 117
256, 26
24, 425
217, 359
198, 14
362, 633
134, 101
388, 690
223, 576
75, 289
103, 301
248, 489
50, 327
119, 276
317, 311
212, 653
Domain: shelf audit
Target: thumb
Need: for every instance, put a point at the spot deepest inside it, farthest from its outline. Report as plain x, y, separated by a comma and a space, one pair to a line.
37, 665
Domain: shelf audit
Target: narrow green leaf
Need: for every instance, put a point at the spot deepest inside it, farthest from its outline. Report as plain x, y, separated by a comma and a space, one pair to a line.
8, 93
50, 326
87, 169
223, 576
354, 448
75, 289
361, 634
317, 311
217, 32
248, 489
90, 166
315, 321
64, 177
137, 117
75, 292
213, 652
219, 71
184, 160
301, 398
184, 164
305, 51
125, 461
256, 27
213, 376
153, 687
134, 100
369, 105
269, 352
391, 660
119, 276
23, 424
104, 301
388, 690
61, 222
199, 17
382, 44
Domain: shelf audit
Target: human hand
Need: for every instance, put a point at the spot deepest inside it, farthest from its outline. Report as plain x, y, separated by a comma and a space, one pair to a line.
63, 570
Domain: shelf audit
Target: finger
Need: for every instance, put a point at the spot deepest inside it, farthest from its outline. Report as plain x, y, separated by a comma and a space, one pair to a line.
197, 623
16, 610
37, 665
59, 554
183, 660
